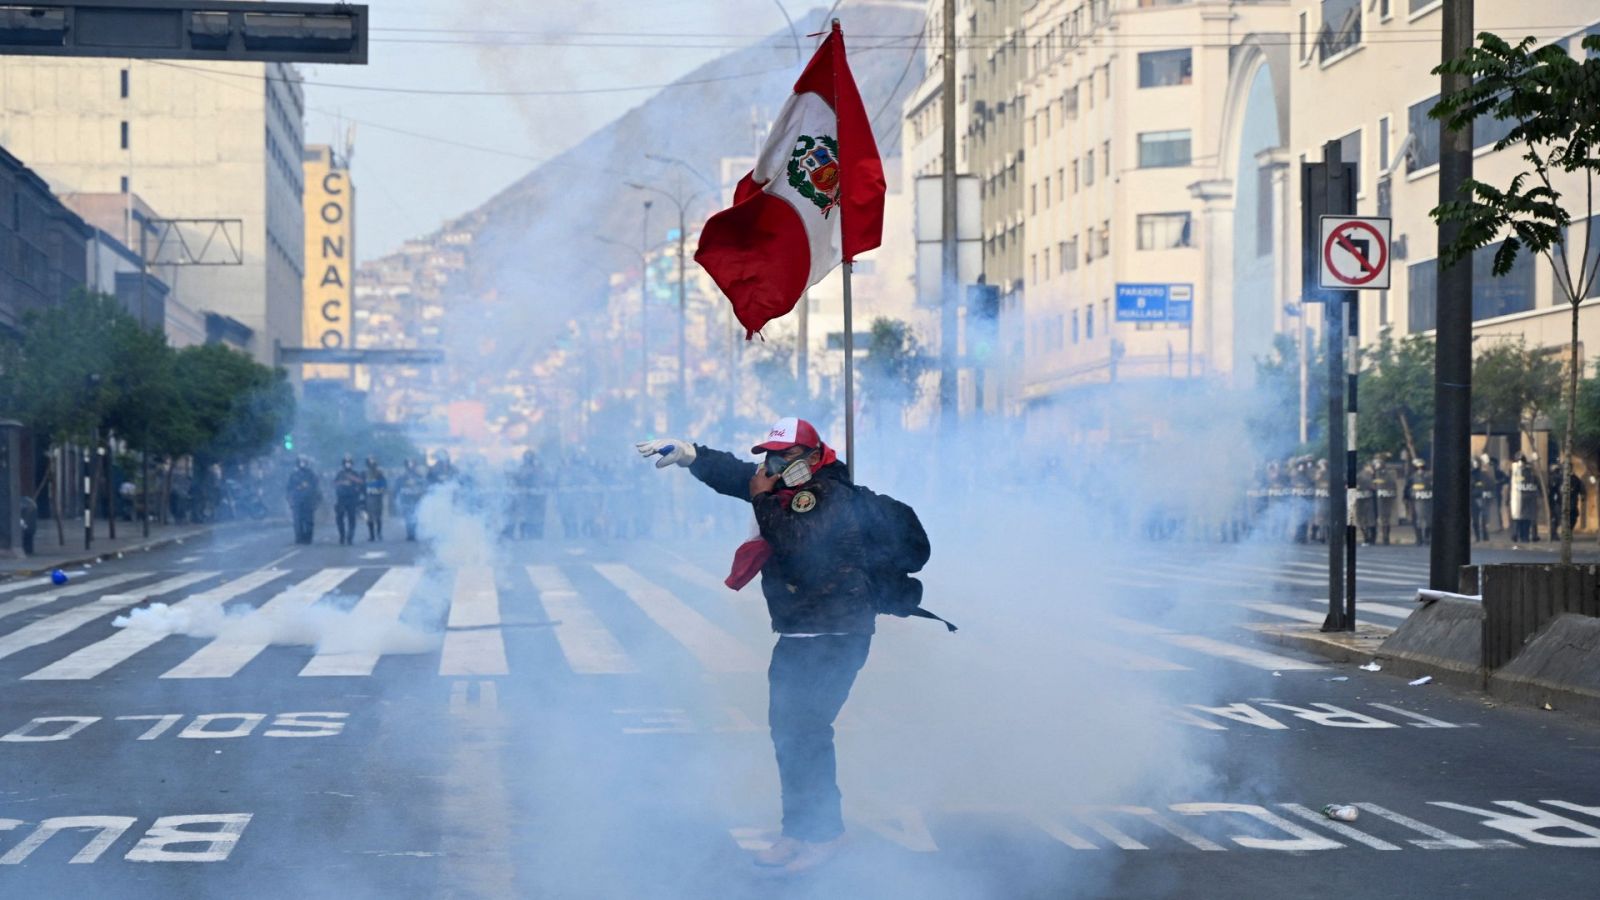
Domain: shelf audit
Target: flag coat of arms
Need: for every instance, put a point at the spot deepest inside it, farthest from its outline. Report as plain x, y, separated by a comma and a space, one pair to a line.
814, 198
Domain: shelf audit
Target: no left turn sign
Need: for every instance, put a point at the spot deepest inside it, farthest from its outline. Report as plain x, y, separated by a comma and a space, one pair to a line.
1354, 253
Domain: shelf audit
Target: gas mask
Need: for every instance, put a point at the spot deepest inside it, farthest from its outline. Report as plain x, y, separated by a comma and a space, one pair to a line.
793, 472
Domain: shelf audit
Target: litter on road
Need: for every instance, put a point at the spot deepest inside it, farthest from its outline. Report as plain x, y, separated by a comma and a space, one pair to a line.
1423, 680
1372, 667
1340, 811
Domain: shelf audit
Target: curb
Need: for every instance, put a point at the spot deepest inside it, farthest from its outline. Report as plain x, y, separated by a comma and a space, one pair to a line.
1339, 646
91, 557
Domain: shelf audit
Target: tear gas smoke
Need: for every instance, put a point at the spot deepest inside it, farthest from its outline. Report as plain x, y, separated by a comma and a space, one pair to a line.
330, 627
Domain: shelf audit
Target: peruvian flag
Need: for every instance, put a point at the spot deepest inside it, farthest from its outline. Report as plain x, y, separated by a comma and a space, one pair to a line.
814, 198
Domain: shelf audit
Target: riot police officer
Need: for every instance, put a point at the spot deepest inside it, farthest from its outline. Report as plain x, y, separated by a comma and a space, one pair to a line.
349, 489
305, 494
1419, 497
377, 486
1386, 493
1323, 496
529, 508
408, 491
1366, 505
1484, 490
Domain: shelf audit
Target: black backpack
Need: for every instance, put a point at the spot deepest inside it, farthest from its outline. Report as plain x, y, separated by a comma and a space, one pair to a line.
897, 547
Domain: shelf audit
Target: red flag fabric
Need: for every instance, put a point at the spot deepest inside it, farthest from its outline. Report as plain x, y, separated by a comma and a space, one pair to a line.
814, 198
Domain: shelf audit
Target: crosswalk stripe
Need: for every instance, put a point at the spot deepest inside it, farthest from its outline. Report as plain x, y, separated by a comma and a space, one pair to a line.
11, 587
226, 655
1364, 574
473, 641
714, 648
1385, 609
1286, 611
26, 602
379, 607
1259, 659
589, 648
67, 621
98, 657
1128, 660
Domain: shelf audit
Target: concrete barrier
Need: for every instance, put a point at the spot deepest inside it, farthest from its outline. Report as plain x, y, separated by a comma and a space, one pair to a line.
1559, 666
1520, 598
1443, 639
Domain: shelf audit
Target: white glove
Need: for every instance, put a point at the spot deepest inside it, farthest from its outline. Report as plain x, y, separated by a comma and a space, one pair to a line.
671, 450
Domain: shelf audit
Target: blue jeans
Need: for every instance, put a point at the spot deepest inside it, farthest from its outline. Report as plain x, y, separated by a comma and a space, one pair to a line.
808, 682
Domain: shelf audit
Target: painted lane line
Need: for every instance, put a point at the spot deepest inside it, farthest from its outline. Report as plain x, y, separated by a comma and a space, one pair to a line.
474, 605
1259, 659
1384, 609
223, 657
714, 648
1337, 827
1440, 839
1362, 574
100, 656
1422, 721
26, 602
378, 609
67, 621
1127, 660
1285, 611
590, 649
11, 587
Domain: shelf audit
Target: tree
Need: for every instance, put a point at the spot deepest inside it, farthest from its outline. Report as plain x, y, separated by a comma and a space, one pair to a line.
241, 408
1513, 385
1554, 101
1396, 395
891, 373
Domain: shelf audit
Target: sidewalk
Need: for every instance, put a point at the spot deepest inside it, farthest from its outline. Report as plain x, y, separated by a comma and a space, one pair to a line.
130, 539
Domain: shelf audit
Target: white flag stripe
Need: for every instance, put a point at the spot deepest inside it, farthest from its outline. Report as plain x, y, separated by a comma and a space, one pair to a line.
101, 655
224, 658
714, 648
34, 601
67, 621
589, 648
473, 643
377, 608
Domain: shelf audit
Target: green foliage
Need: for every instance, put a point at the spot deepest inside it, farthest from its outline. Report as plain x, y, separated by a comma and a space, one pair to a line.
1513, 384
1555, 102
1272, 416
891, 372
1586, 430
1396, 395
85, 364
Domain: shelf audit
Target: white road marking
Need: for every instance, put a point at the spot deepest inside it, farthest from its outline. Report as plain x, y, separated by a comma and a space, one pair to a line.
1285, 611
1422, 721
1338, 827
714, 648
590, 649
474, 605
1439, 839
98, 657
379, 607
224, 658
24, 603
1259, 659
1384, 609
11, 587
1127, 660
67, 621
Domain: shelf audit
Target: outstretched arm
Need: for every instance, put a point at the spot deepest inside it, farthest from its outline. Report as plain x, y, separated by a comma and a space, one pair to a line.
722, 471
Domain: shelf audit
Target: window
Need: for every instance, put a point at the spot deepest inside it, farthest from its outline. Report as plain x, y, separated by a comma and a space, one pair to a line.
1075, 168
1350, 151
1425, 134
1091, 90
1047, 121
1033, 199
1105, 158
1088, 246
124, 79
124, 184
1383, 145
1069, 102
1305, 40
1069, 255
1341, 27
1491, 296
1074, 326
1046, 261
1047, 192
124, 135
1166, 68
1088, 169
1105, 238
1384, 10
1033, 267
1163, 149
1418, 6
1106, 82
1061, 185
1164, 231
1088, 322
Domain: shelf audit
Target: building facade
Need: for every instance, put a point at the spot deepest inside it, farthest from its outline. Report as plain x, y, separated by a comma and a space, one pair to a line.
198, 141
45, 244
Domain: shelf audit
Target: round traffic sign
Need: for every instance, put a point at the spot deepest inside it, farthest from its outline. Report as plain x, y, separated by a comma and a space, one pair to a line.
1366, 270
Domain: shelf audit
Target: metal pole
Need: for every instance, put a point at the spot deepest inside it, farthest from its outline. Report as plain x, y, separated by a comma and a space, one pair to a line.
144, 452
644, 307
949, 261
849, 378
1352, 307
88, 499
1452, 381
802, 356
109, 451
1303, 339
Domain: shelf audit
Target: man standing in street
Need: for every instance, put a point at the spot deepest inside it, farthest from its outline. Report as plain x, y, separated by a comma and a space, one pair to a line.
408, 491
831, 556
305, 493
1419, 497
348, 490
377, 487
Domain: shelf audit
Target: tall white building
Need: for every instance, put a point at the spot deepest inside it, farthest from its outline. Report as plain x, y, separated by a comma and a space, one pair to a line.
197, 140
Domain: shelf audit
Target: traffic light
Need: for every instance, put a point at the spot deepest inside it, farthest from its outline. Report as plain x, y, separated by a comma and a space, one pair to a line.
288, 442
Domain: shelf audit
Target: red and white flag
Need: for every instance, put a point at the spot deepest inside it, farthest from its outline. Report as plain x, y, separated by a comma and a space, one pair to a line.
814, 198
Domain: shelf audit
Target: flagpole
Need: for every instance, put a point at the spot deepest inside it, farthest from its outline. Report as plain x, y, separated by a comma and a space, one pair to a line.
849, 379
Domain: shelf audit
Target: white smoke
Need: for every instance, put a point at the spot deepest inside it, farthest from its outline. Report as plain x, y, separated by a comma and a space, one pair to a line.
327, 628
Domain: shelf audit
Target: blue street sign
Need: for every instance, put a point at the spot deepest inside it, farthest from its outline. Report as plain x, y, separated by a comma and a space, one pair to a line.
1155, 303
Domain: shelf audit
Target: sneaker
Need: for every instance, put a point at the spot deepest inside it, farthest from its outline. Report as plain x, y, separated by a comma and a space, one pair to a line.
812, 855
780, 853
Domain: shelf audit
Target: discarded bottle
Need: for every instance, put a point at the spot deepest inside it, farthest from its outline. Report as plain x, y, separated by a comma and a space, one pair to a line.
1341, 812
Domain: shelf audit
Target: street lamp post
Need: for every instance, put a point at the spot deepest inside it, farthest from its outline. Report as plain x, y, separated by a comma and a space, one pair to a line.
682, 205
644, 332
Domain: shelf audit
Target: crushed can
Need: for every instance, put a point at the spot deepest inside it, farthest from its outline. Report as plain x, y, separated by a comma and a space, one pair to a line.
1341, 812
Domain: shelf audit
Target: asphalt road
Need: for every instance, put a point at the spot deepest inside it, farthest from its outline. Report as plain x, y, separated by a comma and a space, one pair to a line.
590, 725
